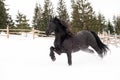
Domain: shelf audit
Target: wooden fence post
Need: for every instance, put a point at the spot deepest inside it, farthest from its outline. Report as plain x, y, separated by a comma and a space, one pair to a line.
108, 37
7, 31
116, 40
33, 31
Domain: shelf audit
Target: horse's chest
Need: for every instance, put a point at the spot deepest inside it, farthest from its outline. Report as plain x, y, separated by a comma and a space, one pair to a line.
57, 43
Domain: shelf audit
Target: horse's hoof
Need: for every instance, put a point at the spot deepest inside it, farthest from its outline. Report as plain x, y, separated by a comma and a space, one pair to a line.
101, 55
91, 51
53, 59
70, 64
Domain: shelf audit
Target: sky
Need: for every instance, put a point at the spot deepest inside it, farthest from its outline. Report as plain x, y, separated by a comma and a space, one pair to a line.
107, 7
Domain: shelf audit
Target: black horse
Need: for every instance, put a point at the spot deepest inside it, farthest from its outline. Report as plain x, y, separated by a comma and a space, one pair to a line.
67, 42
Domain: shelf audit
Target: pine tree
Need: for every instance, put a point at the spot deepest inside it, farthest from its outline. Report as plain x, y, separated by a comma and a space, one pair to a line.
95, 24
3, 15
116, 22
62, 11
22, 21
101, 23
37, 19
47, 13
86, 13
10, 22
110, 27
75, 22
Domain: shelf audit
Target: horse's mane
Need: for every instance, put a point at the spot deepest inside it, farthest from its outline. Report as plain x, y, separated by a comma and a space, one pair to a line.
65, 26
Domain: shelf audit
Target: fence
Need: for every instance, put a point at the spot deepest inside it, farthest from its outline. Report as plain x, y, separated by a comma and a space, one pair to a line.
32, 31
107, 38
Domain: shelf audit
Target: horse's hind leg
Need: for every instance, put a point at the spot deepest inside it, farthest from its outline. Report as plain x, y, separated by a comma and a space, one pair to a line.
52, 54
97, 49
69, 58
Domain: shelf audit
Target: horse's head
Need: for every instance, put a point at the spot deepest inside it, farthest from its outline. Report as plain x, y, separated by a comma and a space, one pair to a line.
58, 26
52, 25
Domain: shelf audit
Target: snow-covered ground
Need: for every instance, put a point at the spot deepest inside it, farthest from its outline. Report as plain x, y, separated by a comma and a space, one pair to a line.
25, 58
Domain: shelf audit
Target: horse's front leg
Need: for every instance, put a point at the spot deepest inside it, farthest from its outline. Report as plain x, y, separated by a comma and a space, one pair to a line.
52, 54
69, 56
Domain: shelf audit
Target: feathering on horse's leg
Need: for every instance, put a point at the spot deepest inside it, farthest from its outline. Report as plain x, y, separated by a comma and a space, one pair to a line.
52, 54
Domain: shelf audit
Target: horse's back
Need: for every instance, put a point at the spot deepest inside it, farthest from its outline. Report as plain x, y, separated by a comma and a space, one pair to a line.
83, 35
83, 32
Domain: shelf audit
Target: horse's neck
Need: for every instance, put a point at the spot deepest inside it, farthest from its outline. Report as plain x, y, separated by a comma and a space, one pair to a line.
59, 33
59, 37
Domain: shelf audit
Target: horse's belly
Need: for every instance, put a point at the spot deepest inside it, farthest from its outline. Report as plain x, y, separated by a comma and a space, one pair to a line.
75, 49
79, 44
67, 44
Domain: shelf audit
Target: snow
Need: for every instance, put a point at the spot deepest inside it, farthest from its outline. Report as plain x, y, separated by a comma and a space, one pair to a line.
25, 58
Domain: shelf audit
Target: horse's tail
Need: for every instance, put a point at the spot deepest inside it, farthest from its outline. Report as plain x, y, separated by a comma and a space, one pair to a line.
101, 45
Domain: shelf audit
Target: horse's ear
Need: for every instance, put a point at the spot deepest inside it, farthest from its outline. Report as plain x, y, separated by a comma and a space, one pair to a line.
56, 19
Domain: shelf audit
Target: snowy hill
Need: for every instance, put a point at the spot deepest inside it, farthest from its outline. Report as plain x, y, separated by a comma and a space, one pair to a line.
24, 58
